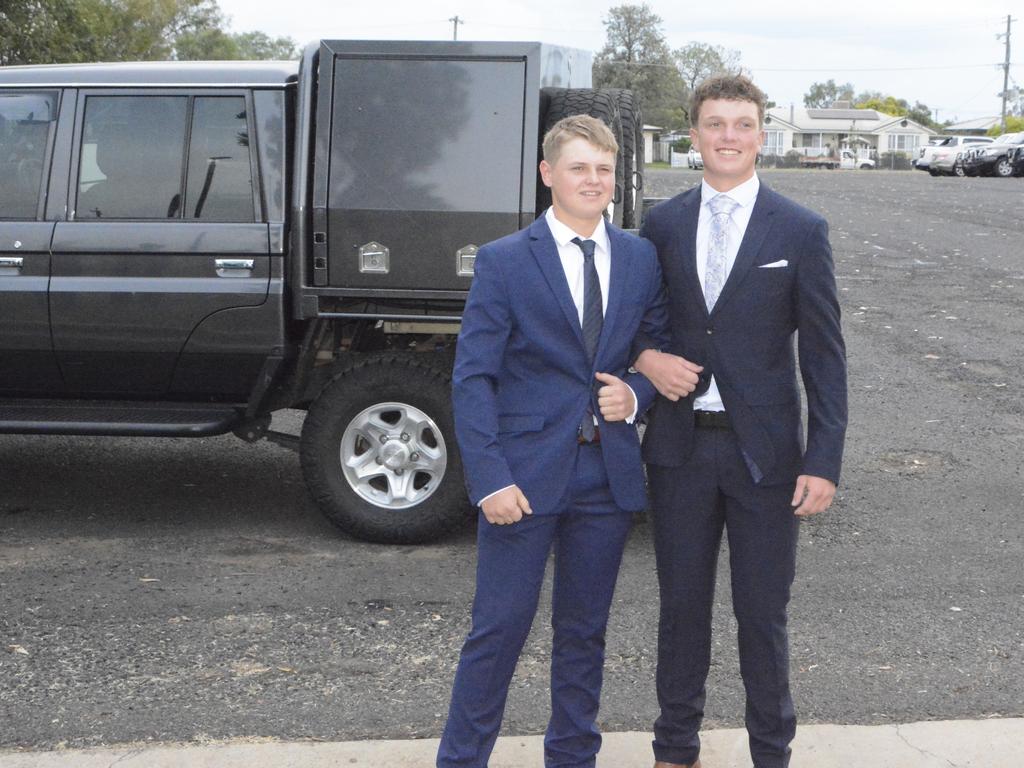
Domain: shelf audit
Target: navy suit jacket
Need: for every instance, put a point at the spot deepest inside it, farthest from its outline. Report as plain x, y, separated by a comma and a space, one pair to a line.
747, 340
522, 383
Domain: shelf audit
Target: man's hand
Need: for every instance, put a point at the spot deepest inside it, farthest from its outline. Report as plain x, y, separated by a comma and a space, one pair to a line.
812, 495
673, 376
615, 399
506, 506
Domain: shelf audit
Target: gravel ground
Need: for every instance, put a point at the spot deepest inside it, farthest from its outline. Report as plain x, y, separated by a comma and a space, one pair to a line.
189, 590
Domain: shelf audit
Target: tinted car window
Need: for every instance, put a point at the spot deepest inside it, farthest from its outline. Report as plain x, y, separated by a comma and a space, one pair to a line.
25, 122
131, 157
219, 185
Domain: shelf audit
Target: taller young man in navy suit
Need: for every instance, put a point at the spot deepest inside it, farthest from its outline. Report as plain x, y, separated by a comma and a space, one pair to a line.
746, 270
544, 407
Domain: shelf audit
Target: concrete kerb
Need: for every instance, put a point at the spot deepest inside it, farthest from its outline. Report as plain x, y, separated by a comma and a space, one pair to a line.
995, 743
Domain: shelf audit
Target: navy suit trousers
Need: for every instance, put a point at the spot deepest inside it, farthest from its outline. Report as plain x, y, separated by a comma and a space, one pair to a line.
692, 505
588, 534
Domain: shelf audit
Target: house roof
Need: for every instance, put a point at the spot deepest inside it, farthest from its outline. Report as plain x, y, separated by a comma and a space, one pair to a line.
840, 120
980, 124
842, 114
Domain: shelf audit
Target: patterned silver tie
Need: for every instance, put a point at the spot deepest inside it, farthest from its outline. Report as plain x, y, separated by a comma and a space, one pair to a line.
721, 207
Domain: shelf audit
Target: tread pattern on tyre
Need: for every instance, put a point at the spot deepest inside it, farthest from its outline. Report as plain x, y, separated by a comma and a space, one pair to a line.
604, 104
445, 510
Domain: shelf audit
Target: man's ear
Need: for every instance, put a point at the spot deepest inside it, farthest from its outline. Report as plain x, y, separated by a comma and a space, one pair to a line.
545, 173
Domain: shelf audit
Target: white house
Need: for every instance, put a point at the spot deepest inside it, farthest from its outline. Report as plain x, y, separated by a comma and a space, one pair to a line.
816, 132
650, 131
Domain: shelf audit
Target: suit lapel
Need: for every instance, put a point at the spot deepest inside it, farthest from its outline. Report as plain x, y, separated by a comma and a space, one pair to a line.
686, 243
758, 227
545, 252
618, 281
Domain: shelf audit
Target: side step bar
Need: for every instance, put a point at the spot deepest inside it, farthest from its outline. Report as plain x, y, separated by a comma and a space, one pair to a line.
118, 418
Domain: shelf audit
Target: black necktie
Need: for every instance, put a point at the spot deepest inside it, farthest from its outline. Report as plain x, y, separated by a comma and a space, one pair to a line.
593, 315
593, 319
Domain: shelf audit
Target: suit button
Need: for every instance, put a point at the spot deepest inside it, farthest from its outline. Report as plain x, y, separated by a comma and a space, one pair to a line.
710, 330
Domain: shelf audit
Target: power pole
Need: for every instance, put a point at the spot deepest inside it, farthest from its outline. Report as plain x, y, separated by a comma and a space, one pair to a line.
455, 20
1006, 75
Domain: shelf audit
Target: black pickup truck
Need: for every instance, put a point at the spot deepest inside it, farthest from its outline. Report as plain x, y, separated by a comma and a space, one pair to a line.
186, 248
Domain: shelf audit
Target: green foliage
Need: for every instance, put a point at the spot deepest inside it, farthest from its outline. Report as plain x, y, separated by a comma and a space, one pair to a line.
894, 161
258, 46
50, 31
636, 56
821, 95
682, 145
1014, 124
697, 62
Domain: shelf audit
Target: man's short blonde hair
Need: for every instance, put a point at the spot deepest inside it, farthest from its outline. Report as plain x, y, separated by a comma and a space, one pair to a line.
590, 129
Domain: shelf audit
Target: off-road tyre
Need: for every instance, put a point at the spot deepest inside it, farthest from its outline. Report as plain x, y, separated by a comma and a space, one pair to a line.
374, 398
563, 102
631, 149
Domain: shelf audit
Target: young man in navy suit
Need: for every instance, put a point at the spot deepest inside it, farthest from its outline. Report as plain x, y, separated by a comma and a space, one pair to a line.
544, 410
746, 269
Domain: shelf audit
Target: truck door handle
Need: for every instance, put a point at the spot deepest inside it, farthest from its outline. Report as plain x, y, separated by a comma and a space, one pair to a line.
11, 262
234, 263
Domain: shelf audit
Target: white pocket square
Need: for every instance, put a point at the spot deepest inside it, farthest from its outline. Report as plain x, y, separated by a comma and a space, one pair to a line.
774, 264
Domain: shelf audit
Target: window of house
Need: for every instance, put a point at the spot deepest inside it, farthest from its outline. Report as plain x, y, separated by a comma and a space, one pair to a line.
773, 143
26, 122
133, 159
903, 142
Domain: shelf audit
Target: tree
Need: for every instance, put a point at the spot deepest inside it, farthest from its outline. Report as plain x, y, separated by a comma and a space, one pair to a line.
49, 31
920, 113
259, 46
43, 32
636, 56
1014, 123
696, 62
822, 95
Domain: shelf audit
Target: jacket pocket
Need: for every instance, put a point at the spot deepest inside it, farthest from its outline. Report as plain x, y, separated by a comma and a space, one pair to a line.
520, 423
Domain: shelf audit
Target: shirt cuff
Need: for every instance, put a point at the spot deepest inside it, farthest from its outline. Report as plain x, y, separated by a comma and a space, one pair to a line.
495, 493
636, 405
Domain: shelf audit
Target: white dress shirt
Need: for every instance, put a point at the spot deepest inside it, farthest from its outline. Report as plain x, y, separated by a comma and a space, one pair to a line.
571, 256
745, 195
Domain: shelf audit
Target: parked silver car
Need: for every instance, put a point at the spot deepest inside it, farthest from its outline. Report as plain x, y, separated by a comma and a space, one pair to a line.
926, 154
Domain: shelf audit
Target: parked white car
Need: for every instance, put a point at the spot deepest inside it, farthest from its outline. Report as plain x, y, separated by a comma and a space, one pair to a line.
926, 155
694, 160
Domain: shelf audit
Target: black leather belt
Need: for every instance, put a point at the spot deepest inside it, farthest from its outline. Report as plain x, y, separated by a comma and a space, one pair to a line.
711, 419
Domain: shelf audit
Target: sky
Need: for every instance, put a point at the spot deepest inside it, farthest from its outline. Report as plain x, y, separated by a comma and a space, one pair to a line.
936, 52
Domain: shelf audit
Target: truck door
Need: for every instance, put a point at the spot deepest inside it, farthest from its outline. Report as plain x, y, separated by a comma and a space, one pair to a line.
28, 122
165, 230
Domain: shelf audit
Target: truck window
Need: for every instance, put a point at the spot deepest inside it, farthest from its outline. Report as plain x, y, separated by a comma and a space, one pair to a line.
25, 123
132, 150
219, 184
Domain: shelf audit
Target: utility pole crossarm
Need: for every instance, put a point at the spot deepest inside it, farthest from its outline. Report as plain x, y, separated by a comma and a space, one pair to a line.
455, 20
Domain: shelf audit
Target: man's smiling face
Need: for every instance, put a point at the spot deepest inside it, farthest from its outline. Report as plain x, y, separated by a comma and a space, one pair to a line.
728, 135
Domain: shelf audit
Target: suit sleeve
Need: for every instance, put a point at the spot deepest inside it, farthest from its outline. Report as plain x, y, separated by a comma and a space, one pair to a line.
822, 355
652, 333
486, 325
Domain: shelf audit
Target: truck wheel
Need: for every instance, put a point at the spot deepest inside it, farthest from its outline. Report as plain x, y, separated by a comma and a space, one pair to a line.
958, 169
378, 452
563, 102
631, 150
1004, 168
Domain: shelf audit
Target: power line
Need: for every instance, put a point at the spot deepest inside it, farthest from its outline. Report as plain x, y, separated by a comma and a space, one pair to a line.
824, 68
